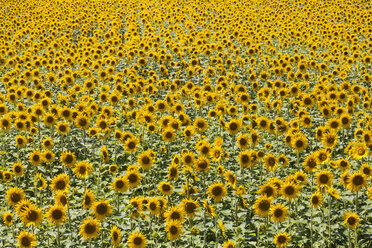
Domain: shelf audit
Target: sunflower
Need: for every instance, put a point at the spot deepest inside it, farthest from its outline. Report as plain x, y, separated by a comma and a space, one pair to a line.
228, 244
102, 209
131, 144
113, 168
8, 218
282, 239
174, 229
115, 236
243, 141
316, 200
359, 151
60, 183
370, 193
56, 215
233, 127
200, 124
299, 143
188, 159
154, 206
289, 191
105, 154
21, 141
262, 205
366, 170
217, 191
120, 184
269, 189
63, 128
245, 159
145, 160
36, 157
322, 156
23, 205
189, 207
343, 164
90, 228
32, 216
82, 122
88, 199
48, 143
137, 240
18, 169
168, 135
61, 199
173, 172
333, 192
324, 178
40, 182
278, 213
134, 178
68, 159
270, 162
165, 188
351, 220
175, 213
329, 139
26, 239
202, 164
83, 169
357, 181
14, 196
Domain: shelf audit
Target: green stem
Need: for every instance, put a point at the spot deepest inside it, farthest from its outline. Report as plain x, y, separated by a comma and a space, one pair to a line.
329, 221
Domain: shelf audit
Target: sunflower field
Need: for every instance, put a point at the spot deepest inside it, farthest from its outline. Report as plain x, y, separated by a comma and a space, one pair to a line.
185, 123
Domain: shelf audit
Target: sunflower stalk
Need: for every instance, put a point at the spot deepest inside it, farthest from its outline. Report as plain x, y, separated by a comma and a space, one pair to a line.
329, 221
58, 236
215, 225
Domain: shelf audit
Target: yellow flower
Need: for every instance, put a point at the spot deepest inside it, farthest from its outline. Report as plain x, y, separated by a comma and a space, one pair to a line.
217, 191
26, 239
90, 228
174, 229
262, 205
56, 215
115, 235
351, 219
282, 239
137, 240
102, 209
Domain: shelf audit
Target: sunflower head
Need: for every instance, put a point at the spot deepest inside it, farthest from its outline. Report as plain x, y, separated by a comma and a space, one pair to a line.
90, 228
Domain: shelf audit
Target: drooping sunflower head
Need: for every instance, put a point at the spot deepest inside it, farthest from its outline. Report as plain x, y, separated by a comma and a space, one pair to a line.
115, 235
